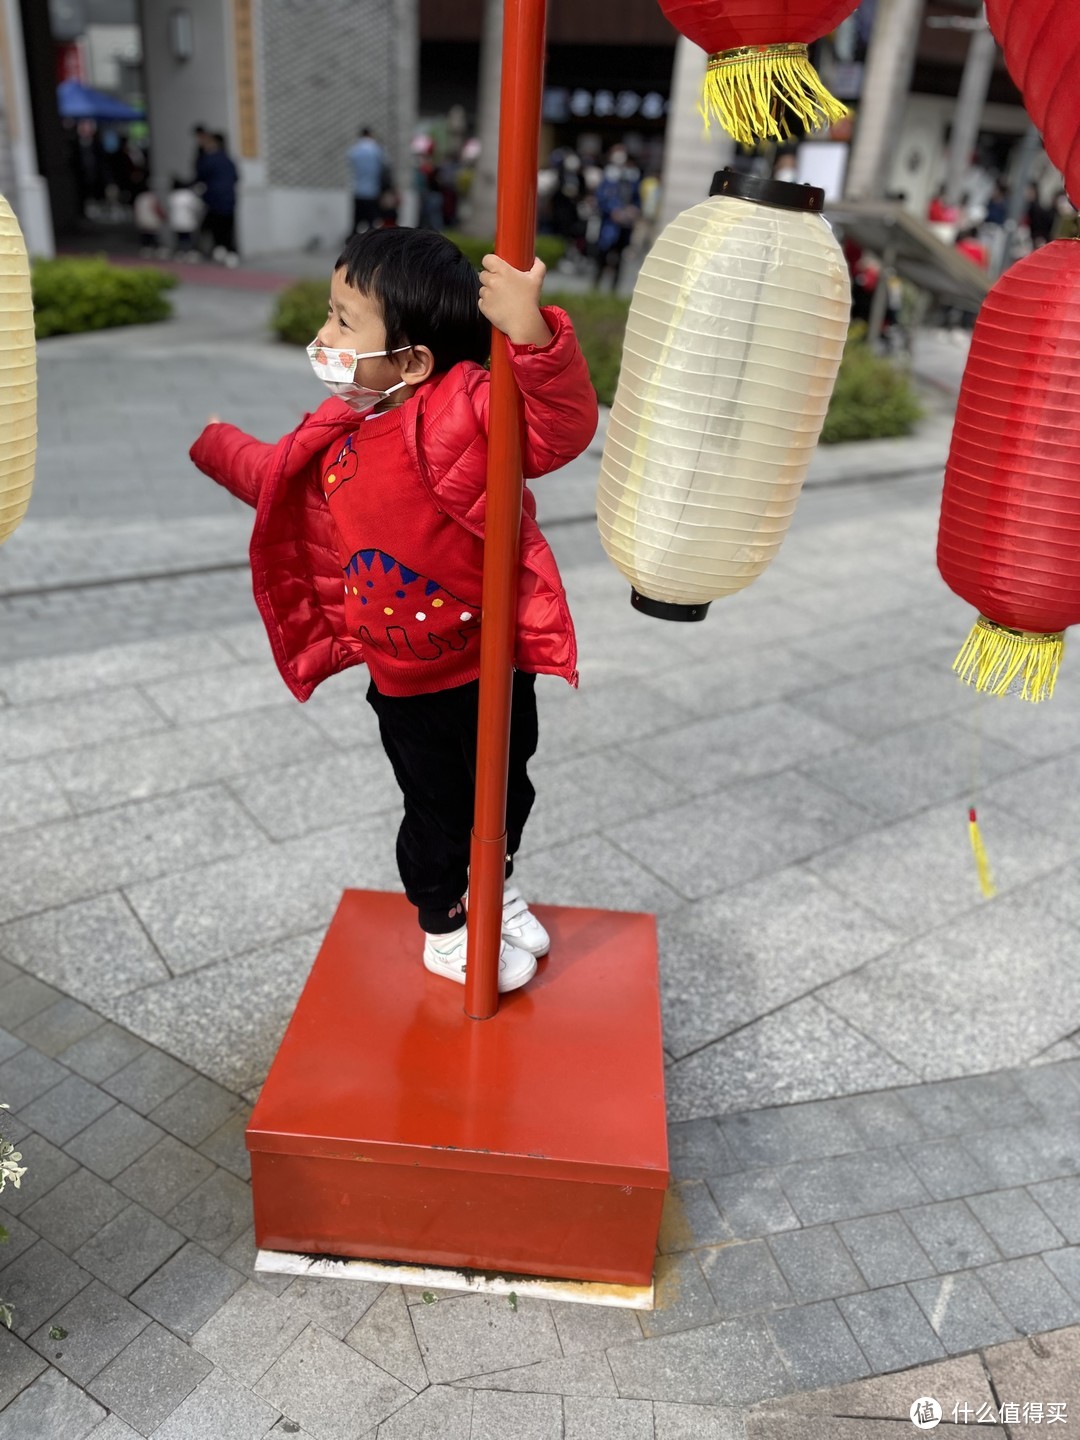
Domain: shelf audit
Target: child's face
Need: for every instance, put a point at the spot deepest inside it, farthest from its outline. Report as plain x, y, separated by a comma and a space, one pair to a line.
354, 322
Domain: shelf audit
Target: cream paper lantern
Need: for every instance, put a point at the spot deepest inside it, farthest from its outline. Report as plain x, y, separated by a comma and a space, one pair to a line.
18, 376
732, 347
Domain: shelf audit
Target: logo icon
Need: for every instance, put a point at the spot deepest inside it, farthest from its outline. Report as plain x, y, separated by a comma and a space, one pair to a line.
926, 1413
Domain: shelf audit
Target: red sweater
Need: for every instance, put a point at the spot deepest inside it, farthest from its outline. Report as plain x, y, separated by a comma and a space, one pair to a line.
396, 548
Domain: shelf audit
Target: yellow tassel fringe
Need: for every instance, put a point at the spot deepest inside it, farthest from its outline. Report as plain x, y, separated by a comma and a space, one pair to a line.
994, 659
982, 864
746, 90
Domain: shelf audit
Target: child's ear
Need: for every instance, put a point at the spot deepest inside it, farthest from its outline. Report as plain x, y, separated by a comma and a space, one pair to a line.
417, 365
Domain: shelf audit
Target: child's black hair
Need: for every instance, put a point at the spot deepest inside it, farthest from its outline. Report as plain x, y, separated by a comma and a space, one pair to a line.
426, 289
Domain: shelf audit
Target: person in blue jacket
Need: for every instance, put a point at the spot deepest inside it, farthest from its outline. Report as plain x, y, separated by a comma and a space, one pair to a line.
217, 176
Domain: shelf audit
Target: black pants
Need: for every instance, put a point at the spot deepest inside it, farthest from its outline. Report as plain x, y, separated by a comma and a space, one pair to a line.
365, 212
431, 742
221, 229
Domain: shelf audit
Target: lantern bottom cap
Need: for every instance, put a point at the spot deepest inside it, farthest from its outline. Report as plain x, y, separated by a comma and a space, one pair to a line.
665, 609
1000, 660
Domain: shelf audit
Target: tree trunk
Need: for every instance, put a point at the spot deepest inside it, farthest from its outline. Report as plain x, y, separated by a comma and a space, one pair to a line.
481, 220
886, 81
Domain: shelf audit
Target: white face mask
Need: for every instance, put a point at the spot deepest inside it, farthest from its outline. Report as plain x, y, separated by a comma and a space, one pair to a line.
337, 368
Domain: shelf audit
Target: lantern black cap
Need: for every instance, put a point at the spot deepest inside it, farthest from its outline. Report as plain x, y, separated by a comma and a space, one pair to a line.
664, 610
780, 193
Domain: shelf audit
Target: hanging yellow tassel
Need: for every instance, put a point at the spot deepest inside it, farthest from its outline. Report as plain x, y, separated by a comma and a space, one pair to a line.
747, 90
982, 864
994, 659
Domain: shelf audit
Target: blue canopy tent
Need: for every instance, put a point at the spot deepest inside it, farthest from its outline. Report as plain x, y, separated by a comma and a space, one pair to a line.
80, 102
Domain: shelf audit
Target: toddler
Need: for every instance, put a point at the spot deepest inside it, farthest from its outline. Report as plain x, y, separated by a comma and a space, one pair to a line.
368, 541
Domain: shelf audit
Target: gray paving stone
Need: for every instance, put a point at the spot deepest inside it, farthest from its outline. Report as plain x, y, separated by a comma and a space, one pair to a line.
738, 834
592, 870
161, 1177
1065, 1267
1015, 1155
815, 1263
98, 1323
241, 1255
26, 1076
19, 1365
74, 1210
324, 1385
527, 1417
1045, 1368
290, 800
697, 1148
886, 1398
946, 1169
597, 791
891, 699
612, 1419
910, 769
753, 1203
950, 1235
683, 1299
128, 1249
114, 1142
583, 1328
1014, 1221
729, 958
123, 769
890, 1329
940, 1108
743, 1277
19, 1238
961, 1312
45, 1165
846, 1186
107, 666
187, 1290
775, 1136
226, 1146
697, 1422
918, 874
205, 694
49, 1408
73, 859
262, 895
586, 1374
53, 1029
149, 1378
65, 945
885, 1250
9, 1044
882, 1119
149, 1079
440, 1413
779, 1058
385, 1337
103, 1052
690, 1218
216, 1213
247, 1333
334, 1307
476, 1334
66, 1109
734, 1362
39, 1283
1051, 1088
29, 796
195, 1110
23, 996
219, 1409
113, 1428
895, 1000
1029, 1295
816, 1345
251, 998
1060, 1199
54, 726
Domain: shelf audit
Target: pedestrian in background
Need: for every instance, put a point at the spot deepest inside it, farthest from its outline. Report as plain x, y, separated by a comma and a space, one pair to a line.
185, 213
149, 218
217, 177
370, 173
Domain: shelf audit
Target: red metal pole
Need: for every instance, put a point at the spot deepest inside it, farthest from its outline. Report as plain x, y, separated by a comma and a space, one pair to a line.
515, 242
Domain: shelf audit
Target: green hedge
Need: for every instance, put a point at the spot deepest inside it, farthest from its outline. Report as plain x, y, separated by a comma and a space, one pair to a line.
549, 248
71, 296
873, 398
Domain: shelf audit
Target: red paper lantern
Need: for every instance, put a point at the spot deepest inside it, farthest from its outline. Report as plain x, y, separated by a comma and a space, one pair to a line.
758, 64
1009, 538
1041, 42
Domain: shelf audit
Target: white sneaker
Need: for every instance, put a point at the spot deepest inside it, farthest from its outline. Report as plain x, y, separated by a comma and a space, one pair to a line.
445, 955
520, 926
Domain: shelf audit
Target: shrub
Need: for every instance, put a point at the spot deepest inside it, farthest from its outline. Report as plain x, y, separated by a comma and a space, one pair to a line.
71, 296
10, 1169
299, 311
873, 398
549, 248
599, 322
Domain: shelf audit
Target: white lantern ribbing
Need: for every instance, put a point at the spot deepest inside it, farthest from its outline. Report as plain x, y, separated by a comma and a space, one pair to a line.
732, 347
18, 375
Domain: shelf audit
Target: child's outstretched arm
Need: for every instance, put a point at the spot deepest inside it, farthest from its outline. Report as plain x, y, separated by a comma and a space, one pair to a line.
233, 458
560, 402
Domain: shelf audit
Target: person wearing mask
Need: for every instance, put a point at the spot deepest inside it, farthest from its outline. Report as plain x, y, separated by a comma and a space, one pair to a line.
618, 202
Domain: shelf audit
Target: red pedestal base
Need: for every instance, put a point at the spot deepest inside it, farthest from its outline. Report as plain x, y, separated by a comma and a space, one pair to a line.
392, 1127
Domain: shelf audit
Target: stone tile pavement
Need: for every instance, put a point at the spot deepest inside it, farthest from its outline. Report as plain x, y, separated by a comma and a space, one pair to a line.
873, 1073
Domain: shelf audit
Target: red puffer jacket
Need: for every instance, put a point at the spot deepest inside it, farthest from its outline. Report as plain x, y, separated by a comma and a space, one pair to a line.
295, 566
